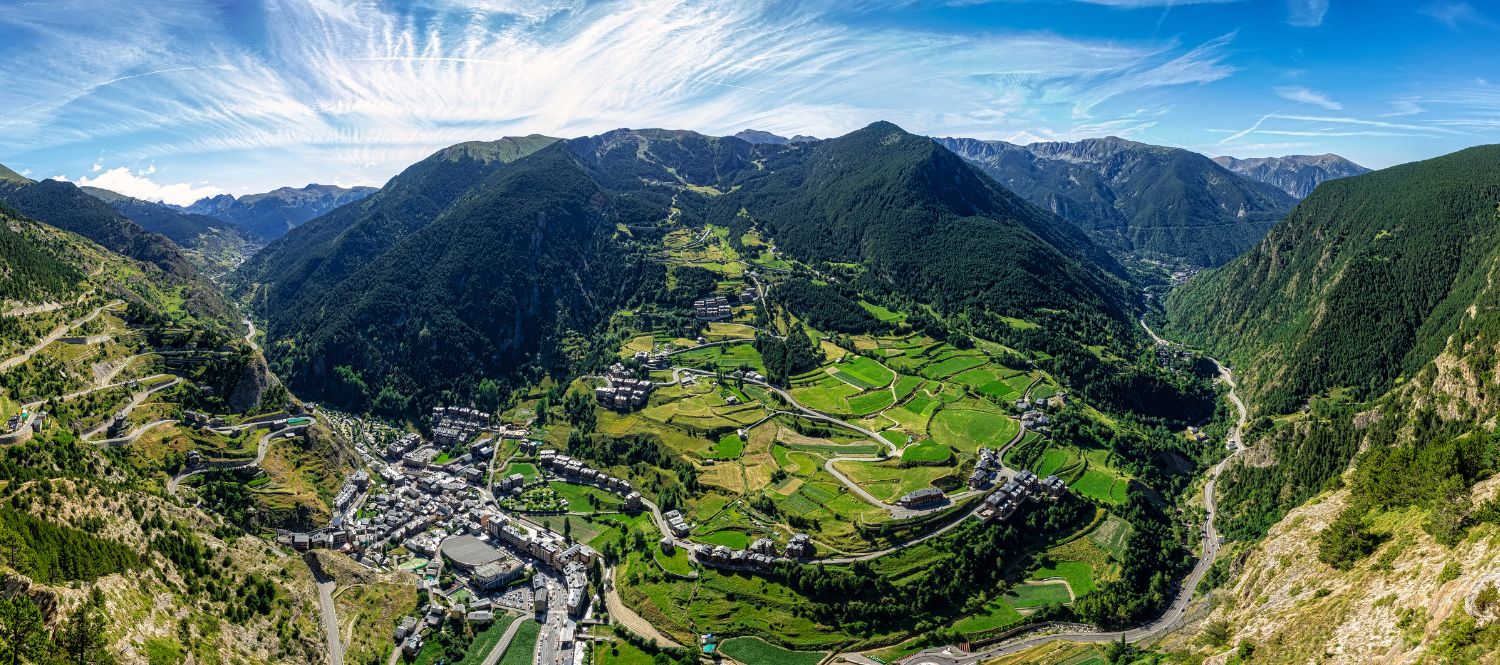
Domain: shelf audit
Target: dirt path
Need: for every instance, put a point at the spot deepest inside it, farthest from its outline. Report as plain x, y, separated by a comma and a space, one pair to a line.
55, 335
34, 309
627, 617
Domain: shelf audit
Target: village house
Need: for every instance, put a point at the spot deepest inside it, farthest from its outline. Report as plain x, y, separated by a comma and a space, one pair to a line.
799, 547
622, 391
922, 498
712, 308
675, 523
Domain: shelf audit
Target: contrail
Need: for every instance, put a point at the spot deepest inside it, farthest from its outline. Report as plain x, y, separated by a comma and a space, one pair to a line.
731, 85
101, 84
413, 58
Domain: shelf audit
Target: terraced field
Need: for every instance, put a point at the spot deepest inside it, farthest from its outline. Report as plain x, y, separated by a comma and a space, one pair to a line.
888, 481
967, 429
755, 651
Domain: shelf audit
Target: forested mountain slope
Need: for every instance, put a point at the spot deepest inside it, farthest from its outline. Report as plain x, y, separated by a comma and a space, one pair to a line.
1133, 196
1297, 175
1363, 526
67, 207
479, 290
931, 225
35, 266
486, 259
183, 228
320, 253
1358, 287
270, 215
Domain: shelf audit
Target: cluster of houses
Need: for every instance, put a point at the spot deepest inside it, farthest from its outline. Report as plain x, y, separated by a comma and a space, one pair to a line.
1052, 403
193, 418
1168, 354
553, 551
576, 471
401, 446
763, 553
1036, 420
353, 488
415, 496
621, 391
985, 468
712, 308
676, 524
659, 360
457, 424
1004, 502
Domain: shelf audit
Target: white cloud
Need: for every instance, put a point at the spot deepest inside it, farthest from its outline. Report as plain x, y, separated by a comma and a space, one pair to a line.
1304, 95
98, 166
326, 88
1402, 106
1456, 15
122, 181
1306, 13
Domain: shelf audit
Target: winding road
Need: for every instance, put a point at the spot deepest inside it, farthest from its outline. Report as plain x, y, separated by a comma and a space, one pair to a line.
261, 446
250, 334
55, 335
1174, 613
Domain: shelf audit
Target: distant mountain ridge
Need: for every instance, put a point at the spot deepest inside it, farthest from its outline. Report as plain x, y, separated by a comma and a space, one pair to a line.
213, 245
1294, 174
182, 227
270, 215
1132, 196
757, 136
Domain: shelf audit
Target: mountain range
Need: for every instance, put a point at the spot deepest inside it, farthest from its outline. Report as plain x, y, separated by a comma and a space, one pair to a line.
181, 227
497, 252
1135, 197
1294, 174
270, 215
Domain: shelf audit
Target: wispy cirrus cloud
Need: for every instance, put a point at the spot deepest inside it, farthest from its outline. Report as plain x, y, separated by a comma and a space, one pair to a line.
1306, 13
361, 90
1304, 95
1456, 15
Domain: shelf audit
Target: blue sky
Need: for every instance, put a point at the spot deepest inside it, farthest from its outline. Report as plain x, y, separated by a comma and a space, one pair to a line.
176, 99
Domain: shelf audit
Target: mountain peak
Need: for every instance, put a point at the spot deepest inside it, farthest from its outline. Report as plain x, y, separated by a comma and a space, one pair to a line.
11, 176
1297, 175
504, 149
